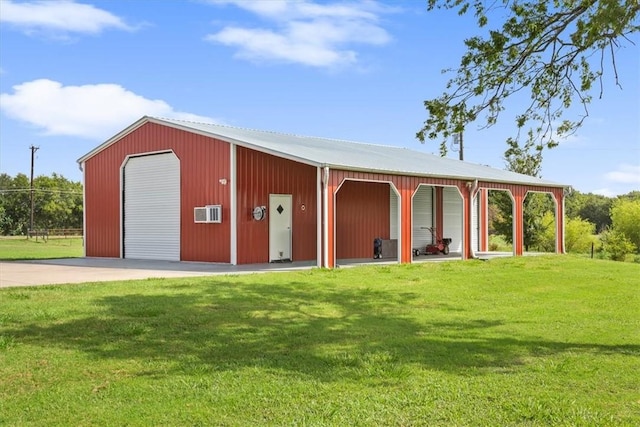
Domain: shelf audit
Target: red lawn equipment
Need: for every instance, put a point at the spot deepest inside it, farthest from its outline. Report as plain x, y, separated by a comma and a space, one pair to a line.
438, 245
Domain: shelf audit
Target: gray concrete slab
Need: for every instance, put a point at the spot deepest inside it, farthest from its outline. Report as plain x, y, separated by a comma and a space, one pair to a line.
81, 270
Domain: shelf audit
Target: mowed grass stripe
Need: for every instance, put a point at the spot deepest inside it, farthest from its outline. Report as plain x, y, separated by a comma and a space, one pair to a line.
551, 340
21, 248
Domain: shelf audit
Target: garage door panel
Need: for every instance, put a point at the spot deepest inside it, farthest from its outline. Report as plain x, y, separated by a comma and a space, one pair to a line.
452, 217
422, 217
475, 224
152, 207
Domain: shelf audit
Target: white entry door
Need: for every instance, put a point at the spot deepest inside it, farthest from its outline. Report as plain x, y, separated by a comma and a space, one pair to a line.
280, 215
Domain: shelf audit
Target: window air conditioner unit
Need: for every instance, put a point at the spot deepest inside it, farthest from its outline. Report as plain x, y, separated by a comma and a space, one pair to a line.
208, 214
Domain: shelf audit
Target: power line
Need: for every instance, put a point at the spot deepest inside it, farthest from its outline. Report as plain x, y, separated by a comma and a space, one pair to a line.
37, 190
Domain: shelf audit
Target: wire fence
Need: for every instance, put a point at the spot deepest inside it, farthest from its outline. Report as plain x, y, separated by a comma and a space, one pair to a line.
45, 233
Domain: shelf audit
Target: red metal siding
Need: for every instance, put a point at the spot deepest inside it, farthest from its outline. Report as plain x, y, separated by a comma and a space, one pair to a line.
406, 185
203, 161
362, 214
102, 206
258, 175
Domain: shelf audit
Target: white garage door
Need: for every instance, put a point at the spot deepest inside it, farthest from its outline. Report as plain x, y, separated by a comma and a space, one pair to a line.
393, 214
422, 217
452, 217
475, 224
152, 207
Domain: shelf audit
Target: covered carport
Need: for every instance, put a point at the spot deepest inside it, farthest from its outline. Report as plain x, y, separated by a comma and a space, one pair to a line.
517, 194
366, 210
453, 205
437, 215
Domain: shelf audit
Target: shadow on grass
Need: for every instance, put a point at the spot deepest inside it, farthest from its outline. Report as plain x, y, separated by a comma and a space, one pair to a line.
324, 332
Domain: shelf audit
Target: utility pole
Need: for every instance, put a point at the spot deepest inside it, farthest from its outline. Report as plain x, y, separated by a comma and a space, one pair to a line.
33, 152
457, 141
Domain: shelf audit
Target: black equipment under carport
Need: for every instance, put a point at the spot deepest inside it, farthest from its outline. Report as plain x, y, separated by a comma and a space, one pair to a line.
377, 248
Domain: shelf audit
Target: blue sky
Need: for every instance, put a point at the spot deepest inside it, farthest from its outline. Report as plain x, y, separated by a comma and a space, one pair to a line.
74, 73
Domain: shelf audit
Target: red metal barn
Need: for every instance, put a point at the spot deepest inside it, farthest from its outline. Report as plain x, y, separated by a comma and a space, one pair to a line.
183, 191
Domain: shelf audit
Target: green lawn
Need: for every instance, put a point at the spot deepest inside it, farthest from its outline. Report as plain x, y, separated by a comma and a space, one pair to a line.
528, 341
20, 248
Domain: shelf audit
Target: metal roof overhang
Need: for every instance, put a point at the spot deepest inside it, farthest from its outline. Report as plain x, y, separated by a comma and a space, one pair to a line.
299, 159
147, 119
440, 176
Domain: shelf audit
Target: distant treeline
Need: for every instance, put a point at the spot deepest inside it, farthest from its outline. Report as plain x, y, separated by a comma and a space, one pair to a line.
57, 203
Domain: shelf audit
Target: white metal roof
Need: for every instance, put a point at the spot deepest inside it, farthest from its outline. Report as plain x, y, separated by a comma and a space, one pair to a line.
340, 154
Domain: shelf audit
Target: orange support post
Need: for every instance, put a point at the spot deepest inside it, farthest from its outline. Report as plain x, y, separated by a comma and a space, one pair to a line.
518, 194
558, 195
483, 219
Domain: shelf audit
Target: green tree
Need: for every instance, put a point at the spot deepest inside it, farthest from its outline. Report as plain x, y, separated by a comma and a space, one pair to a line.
57, 203
633, 195
594, 208
14, 198
554, 51
528, 161
547, 238
616, 245
579, 235
625, 217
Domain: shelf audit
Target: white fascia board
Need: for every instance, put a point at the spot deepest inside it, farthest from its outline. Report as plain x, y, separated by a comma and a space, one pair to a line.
113, 139
84, 210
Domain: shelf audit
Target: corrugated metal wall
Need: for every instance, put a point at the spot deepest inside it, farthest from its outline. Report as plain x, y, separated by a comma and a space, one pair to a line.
394, 215
422, 217
452, 220
259, 175
102, 205
363, 213
203, 161
475, 224
406, 185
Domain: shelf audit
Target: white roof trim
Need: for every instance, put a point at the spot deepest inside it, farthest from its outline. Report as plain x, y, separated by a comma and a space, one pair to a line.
114, 139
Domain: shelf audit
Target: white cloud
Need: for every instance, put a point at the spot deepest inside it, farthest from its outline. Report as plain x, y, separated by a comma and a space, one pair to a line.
63, 16
89, 111
318, 35
625, 174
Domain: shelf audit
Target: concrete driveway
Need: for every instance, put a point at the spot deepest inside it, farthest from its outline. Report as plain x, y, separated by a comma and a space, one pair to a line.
80, 270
